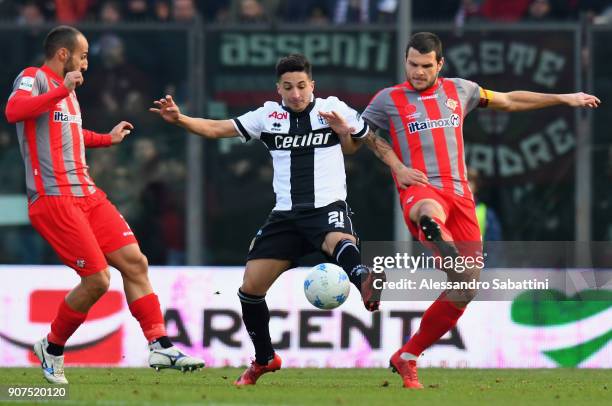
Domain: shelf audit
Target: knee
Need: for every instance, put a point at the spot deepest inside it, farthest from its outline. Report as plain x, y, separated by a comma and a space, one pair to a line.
468, 295
333, 240
252, 288
429, 209
252, 285
98, 283
461, 297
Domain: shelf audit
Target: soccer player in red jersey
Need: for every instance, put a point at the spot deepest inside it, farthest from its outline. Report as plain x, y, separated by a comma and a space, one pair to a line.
424, 117
70, 212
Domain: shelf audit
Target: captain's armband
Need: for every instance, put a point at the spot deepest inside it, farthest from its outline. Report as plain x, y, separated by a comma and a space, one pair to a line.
485, 97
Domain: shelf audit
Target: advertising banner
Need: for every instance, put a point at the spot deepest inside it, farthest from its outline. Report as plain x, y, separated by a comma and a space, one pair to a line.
351, 65
203, 317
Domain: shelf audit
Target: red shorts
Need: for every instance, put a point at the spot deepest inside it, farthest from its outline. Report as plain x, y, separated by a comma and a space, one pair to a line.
81, 229
461, 220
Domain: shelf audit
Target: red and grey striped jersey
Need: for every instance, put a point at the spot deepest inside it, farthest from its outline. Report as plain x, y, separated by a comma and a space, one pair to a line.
426, 128
51, 137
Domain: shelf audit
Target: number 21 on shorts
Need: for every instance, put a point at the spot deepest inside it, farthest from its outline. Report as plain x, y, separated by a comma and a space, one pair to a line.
336, 218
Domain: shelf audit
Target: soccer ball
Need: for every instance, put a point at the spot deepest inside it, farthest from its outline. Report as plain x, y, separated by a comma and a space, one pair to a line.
326, 286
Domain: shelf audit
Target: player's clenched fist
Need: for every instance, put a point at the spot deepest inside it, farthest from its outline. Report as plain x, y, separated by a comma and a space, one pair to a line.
167, 109
73, 79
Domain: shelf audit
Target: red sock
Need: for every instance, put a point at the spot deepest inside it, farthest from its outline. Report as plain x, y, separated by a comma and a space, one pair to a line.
148, 313
65, 324
437, 320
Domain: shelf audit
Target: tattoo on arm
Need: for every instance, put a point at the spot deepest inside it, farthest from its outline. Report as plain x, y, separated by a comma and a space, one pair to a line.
379, 146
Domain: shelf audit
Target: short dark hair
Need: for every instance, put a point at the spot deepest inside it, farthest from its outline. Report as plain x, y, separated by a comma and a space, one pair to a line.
425, 42
62, 36
293, 63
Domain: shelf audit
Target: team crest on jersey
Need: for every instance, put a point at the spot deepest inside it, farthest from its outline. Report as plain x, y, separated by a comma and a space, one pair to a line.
411, 112
451, 104
410, 109
80, 263
322, 120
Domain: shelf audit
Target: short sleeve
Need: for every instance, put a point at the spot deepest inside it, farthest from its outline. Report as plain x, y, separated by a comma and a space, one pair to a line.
471, 91
250, 125
26, 83
353, 119
375, 114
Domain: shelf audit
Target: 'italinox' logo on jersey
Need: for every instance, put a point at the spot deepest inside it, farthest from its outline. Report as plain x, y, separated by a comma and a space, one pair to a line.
296, 141
61, 117
453, 121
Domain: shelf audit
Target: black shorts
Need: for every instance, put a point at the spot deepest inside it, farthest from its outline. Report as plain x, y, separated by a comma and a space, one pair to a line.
292, 234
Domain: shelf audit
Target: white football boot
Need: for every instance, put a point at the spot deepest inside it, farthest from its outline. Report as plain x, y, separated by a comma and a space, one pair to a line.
173, 358
52, 365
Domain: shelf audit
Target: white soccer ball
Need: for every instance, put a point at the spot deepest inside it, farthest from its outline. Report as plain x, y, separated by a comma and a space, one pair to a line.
326, 286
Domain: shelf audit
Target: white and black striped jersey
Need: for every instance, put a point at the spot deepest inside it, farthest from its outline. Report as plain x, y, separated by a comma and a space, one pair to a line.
306, 152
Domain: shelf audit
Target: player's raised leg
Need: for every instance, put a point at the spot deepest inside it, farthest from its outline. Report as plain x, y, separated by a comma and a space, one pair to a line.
342, 247
144, 306
259, 275
443, 314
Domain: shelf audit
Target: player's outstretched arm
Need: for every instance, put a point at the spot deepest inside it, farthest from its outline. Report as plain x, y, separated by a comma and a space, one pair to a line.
403, 175
170, 112
341, 127
521, 100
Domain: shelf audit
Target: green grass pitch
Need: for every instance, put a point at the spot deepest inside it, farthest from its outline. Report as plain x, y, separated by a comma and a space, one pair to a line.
131, 386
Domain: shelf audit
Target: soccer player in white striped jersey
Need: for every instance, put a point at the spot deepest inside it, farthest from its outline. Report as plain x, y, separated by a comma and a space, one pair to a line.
311, 213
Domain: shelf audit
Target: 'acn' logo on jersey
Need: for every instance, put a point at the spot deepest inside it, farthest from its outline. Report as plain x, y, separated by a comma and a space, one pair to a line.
453, 121
279, 115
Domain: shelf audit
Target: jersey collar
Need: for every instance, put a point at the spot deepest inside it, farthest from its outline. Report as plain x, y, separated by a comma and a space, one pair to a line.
53, 75
302, 113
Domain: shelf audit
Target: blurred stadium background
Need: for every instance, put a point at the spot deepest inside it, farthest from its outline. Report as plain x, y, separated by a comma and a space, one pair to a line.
195, 205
